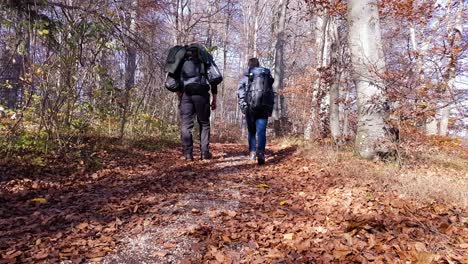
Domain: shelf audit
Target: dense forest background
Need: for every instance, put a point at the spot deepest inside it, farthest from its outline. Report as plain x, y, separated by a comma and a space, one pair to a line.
73, 68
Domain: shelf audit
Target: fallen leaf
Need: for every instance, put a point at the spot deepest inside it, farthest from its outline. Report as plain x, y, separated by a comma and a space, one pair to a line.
274, 253
341, 254
419, 246
96, 254
213, 214
288, 236
425, 257
39, 200
219, 256
169, 246
231, 213
160, 254
82, 226
263, 185
12, 254
41, 255
349, 239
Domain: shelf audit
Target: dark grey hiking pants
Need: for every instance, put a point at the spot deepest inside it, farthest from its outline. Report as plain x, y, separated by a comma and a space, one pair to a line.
192, 106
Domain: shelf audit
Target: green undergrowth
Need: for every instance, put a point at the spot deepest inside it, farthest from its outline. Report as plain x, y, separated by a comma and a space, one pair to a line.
39, 151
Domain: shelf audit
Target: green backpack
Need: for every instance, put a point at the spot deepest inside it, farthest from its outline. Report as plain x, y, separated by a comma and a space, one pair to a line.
175, 60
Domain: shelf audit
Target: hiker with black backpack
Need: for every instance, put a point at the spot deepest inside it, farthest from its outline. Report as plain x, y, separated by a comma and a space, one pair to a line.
256, 101
192, 73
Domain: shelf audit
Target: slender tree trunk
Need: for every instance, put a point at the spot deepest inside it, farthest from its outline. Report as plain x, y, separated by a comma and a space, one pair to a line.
256, 29
367, 57
225, 52
335, 129
177, 5
455, 36
315, 125
430, 123
130, 67
280, 103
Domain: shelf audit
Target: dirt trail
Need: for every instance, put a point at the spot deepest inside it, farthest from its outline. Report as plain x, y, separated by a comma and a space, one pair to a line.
146, 207
291, 211
192, 212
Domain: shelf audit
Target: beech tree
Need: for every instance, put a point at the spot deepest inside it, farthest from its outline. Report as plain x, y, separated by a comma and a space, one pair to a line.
279, 112
454, 37
368, 63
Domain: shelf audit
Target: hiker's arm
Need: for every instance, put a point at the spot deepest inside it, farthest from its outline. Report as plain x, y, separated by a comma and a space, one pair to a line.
214, 92
213, 102
214, 89
241, 94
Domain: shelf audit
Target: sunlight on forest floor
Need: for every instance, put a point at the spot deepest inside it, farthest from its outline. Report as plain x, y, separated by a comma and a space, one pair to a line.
310, 202
434, 177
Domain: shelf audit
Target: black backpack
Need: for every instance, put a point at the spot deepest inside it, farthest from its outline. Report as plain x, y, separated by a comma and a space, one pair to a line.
174, 58
173, 83
260, 95
193, 76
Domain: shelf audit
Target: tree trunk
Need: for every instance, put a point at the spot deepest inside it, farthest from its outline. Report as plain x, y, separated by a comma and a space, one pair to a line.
225, 52
11, 70
335, 129
317, 123
280, 103
368, 61
130, 66
455, 36
256, 28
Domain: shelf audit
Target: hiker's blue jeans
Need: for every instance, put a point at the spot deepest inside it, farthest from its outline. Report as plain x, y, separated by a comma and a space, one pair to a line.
257, 132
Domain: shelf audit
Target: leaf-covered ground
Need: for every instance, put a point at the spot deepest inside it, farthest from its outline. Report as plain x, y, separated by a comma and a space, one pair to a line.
151, 207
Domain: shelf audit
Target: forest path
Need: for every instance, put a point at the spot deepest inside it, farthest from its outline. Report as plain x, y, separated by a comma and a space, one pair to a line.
292, 211
152, 207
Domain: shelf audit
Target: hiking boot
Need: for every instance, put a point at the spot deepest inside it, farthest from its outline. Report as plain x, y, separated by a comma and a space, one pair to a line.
188, 156
261, 158
252, 155
206, 156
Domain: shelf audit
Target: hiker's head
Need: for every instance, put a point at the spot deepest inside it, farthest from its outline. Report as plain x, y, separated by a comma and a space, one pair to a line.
192, 53
253, 62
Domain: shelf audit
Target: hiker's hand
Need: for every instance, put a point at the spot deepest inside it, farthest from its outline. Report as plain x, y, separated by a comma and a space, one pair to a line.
213, 104
244, 109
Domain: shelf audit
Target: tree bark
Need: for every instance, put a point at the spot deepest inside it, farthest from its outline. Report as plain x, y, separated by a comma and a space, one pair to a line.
368, 62
455, 36
130, 66
335, 129
317, 122
280, 103
225, 52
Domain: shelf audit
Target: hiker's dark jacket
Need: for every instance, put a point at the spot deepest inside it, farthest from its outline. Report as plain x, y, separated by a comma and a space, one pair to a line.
242, 96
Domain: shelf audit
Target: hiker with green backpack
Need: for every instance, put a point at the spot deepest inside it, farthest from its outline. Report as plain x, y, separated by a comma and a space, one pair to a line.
192, 74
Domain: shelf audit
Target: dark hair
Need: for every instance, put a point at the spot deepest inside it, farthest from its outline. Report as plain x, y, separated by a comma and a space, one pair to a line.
253, 62
191, 53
